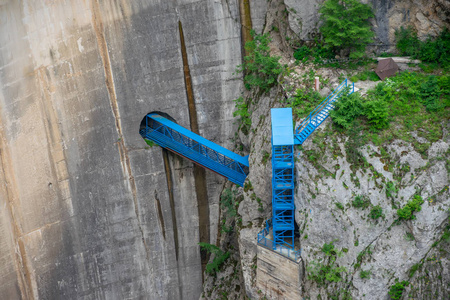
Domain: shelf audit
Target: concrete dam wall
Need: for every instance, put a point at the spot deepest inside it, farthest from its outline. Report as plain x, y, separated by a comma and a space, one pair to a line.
87, 210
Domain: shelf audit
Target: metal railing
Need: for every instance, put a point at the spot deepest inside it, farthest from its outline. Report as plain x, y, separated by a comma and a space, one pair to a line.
331, 98
287, 252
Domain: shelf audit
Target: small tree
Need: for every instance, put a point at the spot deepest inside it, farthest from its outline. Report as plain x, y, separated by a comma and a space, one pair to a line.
346, 26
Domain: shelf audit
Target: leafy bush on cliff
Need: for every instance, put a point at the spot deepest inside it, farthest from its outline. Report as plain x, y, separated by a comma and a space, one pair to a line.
397, 289
219, 257
407, 212
346, 26
260, 69
326, 272
433, 50
347, 109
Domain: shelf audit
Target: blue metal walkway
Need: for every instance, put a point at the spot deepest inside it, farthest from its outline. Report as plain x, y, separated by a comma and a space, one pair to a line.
184, 142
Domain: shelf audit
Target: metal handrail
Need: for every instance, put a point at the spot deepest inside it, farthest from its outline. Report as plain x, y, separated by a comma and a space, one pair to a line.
288, 252
319, 108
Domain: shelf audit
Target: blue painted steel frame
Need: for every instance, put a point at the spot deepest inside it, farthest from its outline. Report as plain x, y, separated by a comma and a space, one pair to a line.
282, 179
319, 114
283, 196
193, 148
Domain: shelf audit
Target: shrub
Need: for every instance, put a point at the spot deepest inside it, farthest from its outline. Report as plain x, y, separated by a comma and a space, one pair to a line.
430, 93
150, 143
245, 116
365, 274
324, 273
319, 53
406, 213
361, 201
346, 109
376, 111
302, 53
346, 26
329, 249
397, 289
391, 190
228, 203
219, 257
304, 101
376, 212
407, 40
260, 68
339, 205
433, 50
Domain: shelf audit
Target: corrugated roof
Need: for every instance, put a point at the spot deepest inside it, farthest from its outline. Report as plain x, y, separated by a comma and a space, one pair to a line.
242, 159
282, 126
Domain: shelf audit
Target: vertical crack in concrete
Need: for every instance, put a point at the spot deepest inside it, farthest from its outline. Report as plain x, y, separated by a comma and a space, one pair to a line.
97, 24
168, 172
160, 214
246, 24
199, 172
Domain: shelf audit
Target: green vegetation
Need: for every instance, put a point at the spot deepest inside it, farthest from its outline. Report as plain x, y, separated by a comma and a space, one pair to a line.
346, 27
219, 257
397, 289
376, 212
150, 143
414, 205
361, 201
318, 54
413, 269
365, 75
433, 50
265, 158
242, 111
361, 255
349, 107
409, 236
365, 274
412, 101
304, 102
261, 70
326, 272
339, 205
228, 203
391, 189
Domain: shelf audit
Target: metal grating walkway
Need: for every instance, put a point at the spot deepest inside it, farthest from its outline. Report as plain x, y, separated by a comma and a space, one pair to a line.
184, 142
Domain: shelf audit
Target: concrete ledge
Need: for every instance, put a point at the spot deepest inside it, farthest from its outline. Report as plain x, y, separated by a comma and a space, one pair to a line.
277, 277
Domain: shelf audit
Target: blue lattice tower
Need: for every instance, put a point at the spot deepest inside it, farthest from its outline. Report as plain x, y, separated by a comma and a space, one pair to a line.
282, 177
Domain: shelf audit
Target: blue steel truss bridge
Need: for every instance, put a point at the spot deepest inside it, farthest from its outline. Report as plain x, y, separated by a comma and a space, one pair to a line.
201, 151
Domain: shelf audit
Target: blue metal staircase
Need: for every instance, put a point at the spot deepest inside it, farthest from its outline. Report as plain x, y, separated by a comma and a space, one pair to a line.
319, 114
184, 142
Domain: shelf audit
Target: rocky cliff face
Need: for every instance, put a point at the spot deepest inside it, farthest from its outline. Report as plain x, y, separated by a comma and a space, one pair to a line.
87, 210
